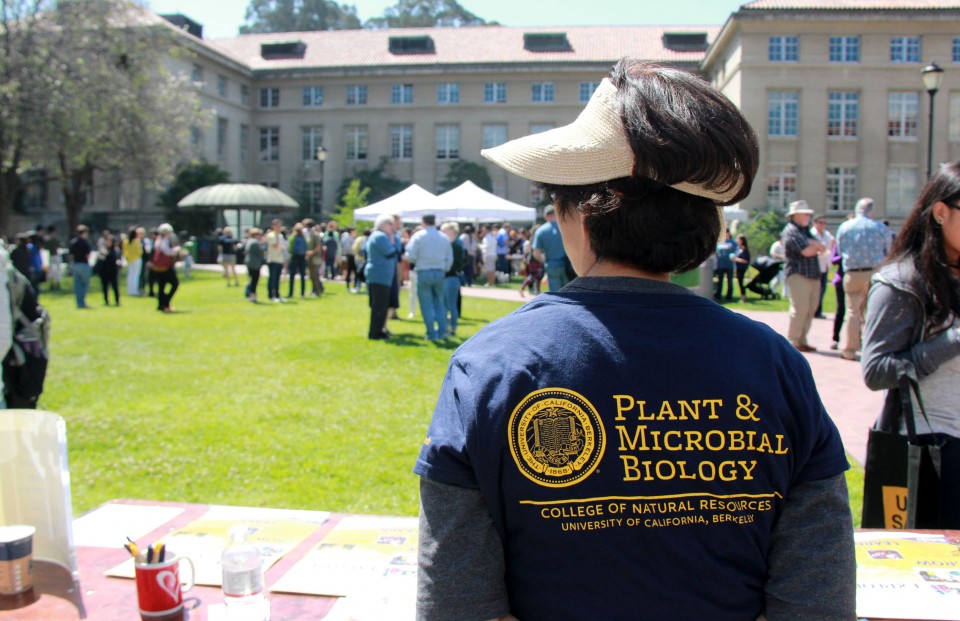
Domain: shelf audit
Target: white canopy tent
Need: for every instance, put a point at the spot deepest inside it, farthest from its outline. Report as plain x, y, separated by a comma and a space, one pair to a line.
409, 204
469, 203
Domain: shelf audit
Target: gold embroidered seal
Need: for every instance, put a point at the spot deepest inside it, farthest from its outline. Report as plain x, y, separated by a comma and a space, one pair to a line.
556, 437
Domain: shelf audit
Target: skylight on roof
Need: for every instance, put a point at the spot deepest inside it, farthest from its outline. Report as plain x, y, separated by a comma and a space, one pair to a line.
283, 49
546, 42
685, 41
421, 44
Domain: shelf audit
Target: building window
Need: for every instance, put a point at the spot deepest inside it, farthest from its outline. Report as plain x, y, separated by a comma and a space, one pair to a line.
196, 75
448, 142
539, 128
245, 94
542, 92
196, 139
312, 96
401, 94
903, 115
495, 92
269, 97
841, 188
222, 85
244, 142
311, 193
781, 186
586, 90
494, 135
901, 189
844, 49
954, 116
356, 139
356, 94
955, 51
401, 142
221, 137
843, 112
782, 107
448, 93
784, 49
269, 144
311, 140
905, 50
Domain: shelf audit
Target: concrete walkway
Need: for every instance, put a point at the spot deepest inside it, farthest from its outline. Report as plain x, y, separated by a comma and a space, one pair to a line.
850, 403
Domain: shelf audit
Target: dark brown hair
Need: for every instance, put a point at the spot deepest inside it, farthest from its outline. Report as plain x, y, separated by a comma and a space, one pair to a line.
921, 242
681, 129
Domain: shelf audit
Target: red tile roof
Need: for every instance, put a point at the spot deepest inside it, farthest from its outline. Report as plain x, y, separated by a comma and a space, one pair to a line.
846, 5
463, 46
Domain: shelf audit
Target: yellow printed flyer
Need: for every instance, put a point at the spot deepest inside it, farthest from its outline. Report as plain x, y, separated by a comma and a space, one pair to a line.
371, 558
274, 531
908, 575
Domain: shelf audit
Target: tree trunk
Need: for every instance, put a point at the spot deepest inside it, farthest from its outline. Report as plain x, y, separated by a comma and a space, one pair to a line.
74, 184
9, 186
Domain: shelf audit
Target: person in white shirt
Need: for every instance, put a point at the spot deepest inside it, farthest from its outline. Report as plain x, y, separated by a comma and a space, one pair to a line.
820, 232
489, 246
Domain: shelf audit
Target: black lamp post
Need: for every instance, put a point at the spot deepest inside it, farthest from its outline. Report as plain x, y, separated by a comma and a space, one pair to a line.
932, 75
321, 157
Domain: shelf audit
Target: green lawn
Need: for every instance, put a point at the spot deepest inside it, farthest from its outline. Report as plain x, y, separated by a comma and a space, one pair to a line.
234, 403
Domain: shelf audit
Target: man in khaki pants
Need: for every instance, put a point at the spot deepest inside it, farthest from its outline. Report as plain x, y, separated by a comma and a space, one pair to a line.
863, 243
802, 271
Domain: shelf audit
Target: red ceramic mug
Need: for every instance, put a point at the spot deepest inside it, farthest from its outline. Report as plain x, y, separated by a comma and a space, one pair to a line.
159, 590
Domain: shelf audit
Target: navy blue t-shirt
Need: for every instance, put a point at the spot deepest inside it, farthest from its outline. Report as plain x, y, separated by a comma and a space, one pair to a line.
625, 456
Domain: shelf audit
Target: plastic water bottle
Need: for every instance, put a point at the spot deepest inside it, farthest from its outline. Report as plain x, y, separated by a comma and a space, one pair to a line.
243, 578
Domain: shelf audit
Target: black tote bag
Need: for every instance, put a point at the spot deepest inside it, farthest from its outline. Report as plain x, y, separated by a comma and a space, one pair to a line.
910, 481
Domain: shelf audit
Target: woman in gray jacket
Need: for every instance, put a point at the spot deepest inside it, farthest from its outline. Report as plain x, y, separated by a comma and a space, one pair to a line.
913, 311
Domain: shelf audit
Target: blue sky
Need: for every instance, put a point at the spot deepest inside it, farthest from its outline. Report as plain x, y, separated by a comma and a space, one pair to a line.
222, 18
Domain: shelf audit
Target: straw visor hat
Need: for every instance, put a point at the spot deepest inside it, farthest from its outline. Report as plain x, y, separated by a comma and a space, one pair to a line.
592, 149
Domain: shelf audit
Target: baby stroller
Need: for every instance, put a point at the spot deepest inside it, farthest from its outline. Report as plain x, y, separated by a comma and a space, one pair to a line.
767, 269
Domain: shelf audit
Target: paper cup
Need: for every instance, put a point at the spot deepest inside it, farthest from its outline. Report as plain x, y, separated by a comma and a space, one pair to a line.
16, 559
159, 590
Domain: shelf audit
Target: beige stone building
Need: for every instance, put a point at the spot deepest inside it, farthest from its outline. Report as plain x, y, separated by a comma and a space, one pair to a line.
835, 93
833, 89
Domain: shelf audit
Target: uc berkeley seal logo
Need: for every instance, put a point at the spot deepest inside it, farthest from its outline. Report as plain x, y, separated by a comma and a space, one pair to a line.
556, 437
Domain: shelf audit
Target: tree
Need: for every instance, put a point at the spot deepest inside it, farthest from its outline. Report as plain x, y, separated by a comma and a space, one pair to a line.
106, 103
763, 229
425, 14
354, 198
380, 184
298, 16
23, 59
465, 170
191, 176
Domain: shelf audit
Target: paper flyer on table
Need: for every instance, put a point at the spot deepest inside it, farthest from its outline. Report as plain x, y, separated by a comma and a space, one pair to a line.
372, 558
908, 575
99, 527
274, 531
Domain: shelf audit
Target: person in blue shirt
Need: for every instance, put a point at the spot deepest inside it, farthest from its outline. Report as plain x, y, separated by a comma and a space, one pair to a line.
503, 248
430, 252
726, 252
618, 466
548, 249
380, 270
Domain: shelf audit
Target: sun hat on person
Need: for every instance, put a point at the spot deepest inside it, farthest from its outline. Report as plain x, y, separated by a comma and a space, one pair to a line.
164, 228
799, 207
592, 149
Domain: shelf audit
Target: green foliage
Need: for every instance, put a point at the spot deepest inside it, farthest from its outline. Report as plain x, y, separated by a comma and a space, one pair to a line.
425, 14
190, 177
298, 16
465, 170
243, 403
380, 184
763, 229
354, 198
